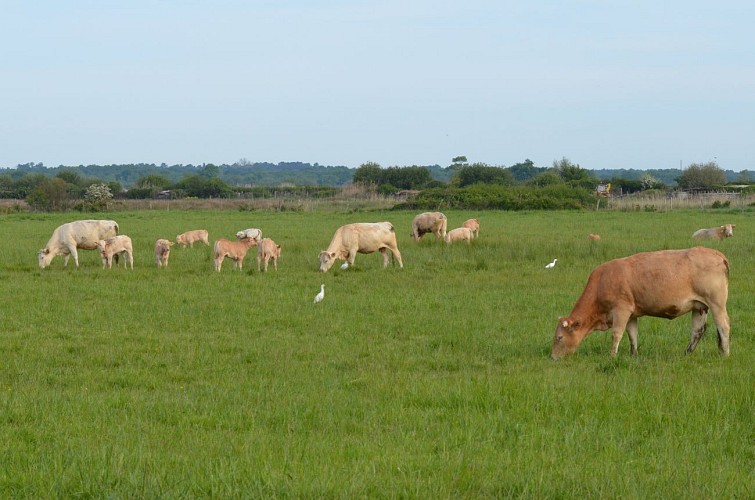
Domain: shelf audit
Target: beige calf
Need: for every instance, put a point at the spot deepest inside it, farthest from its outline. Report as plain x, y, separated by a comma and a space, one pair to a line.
459, 234
162, 252
117, 245
234, 250
266, 250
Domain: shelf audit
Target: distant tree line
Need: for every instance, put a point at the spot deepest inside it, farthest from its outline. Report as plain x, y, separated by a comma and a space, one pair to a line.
461, 183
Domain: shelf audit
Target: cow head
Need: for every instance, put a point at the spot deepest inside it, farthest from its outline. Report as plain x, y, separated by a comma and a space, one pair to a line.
567, 338
44, 257
728, 230
326, 260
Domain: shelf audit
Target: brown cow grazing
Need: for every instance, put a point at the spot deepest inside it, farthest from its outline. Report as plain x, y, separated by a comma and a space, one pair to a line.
191, 237
663, 284
360, 237
594, 236
162, 252
715, 233
429, 222
266, 250
474, 225
117, 245
459, 234
234, 250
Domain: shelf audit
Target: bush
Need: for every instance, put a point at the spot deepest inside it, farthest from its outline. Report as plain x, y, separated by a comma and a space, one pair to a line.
496, 197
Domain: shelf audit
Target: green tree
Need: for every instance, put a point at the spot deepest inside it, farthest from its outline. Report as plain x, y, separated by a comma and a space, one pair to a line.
482, 174
70, 176
50, 195
702, 176
152, 181
525, 170
367, 173
405, 177
210, 171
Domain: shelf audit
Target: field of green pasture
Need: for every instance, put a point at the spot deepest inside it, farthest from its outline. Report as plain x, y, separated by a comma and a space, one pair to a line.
429, 382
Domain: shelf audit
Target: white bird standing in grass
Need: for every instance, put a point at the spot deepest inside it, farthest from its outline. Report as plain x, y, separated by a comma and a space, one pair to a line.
551, 265
320, 296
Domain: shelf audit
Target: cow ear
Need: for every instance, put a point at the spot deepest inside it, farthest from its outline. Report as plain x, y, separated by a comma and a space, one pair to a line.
733, 226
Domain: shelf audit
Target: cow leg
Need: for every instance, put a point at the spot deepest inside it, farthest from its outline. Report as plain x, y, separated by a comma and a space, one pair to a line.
699, 324
632, 330
619, 324
75, 255
721, 318
131, 260
385, 256
397, 256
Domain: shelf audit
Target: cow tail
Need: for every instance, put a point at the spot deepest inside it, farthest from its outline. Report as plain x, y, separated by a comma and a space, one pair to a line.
117, 229
726, 264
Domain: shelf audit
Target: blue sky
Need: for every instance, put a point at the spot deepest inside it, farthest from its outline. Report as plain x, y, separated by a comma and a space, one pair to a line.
606, 84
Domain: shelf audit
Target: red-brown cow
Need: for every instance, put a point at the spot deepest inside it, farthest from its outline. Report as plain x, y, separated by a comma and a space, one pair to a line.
663, 284
234, 250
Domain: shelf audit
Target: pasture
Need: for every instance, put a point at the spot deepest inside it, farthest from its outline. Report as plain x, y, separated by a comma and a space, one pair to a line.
429, 382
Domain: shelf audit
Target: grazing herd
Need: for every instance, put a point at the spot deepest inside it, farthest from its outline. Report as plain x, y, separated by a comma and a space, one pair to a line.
664, 284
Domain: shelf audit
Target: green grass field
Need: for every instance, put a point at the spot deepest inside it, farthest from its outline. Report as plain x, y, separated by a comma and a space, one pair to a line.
429, 382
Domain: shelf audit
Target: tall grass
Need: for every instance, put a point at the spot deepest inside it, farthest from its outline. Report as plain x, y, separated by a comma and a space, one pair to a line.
431, 381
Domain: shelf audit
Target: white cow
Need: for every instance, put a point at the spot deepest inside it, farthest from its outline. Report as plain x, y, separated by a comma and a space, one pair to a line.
69, 237
252, 232
715, 233
117, 245
360, 237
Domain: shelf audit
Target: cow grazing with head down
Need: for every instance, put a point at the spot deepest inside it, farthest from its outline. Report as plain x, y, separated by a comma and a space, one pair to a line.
252, 232
459, 234
429, 222
117, 245
715, 233
162, 252
234, 250
69, 237
474, 225
662, 284
360, 237
190, 237
267, 249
